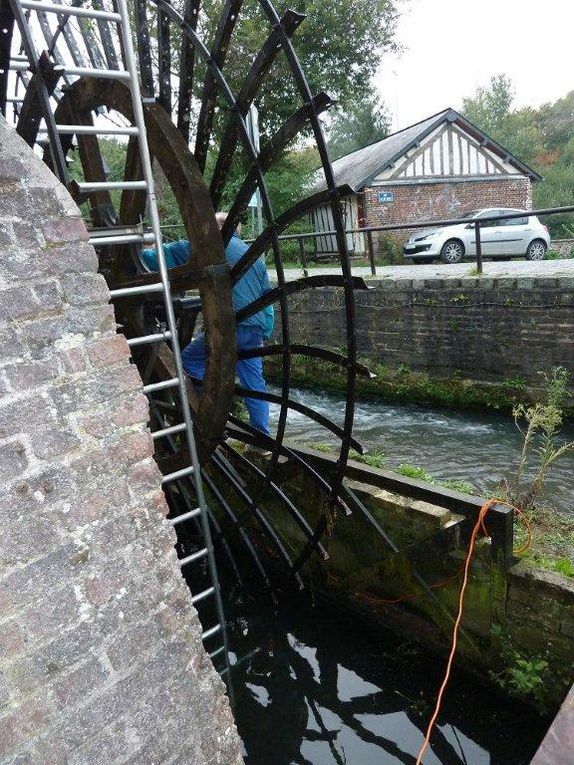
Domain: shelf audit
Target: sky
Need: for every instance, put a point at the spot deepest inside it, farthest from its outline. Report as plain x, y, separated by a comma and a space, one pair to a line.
450, 47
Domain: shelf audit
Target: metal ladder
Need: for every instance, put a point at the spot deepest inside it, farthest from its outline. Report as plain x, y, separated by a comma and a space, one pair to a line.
137, 234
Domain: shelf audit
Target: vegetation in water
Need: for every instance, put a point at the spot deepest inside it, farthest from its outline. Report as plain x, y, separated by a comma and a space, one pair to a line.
407, 386
540, 426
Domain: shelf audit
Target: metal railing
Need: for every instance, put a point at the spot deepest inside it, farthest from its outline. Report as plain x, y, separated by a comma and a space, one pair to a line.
368, 231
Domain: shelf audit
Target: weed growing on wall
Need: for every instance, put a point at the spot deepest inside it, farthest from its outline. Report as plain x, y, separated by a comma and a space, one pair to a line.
523, 675
540, 426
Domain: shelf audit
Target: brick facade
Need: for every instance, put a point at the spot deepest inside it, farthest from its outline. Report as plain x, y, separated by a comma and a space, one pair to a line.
439, 201
102, 660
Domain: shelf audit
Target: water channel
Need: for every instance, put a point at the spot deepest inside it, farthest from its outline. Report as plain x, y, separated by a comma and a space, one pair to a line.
315, 687
467, 446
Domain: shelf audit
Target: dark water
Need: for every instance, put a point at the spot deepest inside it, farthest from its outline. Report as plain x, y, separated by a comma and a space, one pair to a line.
314, 687
476, 448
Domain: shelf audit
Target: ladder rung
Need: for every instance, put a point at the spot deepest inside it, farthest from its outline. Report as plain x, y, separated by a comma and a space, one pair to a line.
97, 130
144, 289
83, 71
210, 633
70, 10
157, 338
163, 385
169, 431
15, 100
217, 652
185, 516
178, 474
86, 187
193, 557
202, 595
100, 241
17, 66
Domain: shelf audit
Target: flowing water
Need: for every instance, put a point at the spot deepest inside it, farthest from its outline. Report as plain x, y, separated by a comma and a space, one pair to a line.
473, 447
313, 687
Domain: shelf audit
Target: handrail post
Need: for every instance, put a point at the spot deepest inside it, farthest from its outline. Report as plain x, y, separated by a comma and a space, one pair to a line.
302, 254
371, 251
478, 247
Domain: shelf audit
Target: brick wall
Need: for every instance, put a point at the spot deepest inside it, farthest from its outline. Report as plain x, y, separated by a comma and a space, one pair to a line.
482, 329
438, 201
102, 660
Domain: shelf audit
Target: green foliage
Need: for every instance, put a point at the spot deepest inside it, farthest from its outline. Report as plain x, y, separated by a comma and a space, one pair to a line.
390, 251
360, 122
514, 383
338, 44
521, 675
374, 458
540, 426
490, 109
543, 138
561, 565
419, 473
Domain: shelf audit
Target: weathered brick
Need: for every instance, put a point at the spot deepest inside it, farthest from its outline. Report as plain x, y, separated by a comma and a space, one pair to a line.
82, 289
11, 169
131, 411
13, 460
11, 640
78, 258
40, 333
87, 678
109, 350
62, 230
133, 448
87, 321
30, 374
53, 442
17, 303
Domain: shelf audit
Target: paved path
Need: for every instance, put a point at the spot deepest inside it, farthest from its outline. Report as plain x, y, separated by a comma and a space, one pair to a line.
492, 269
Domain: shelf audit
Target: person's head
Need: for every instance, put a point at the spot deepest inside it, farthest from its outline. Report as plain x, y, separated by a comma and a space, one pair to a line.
221, 217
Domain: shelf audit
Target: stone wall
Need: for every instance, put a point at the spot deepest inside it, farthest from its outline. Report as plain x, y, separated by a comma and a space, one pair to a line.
439, 201
102, 660
475, 328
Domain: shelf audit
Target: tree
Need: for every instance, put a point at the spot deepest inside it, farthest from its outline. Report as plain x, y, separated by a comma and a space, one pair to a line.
556, 121
363, 122
339, 46
490, 109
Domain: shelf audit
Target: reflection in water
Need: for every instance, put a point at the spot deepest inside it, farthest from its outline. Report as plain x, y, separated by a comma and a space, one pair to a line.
469, 446
313, 688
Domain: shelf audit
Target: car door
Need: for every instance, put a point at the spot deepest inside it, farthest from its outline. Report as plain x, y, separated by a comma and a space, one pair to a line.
491, 232
515, 235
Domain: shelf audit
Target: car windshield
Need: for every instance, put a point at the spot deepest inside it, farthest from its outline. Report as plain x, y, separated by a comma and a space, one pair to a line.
476, 213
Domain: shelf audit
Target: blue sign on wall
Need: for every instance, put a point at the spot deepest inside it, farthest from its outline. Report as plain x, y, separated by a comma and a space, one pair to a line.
386, 196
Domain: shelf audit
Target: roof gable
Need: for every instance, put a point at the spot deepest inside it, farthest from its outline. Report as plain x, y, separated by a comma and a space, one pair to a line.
359, 168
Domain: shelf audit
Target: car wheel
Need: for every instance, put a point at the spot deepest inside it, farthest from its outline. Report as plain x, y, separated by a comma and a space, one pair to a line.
536, 250
452, 251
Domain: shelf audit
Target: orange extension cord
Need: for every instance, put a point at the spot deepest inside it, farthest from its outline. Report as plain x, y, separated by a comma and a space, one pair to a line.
478, 527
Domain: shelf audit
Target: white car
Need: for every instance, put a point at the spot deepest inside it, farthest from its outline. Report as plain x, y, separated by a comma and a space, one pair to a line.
524, 236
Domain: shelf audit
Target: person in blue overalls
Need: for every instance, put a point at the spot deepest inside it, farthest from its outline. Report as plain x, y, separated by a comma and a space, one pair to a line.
250, 333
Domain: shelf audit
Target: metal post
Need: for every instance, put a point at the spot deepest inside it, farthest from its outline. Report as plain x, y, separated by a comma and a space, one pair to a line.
371, 251
478, 247
302, 254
